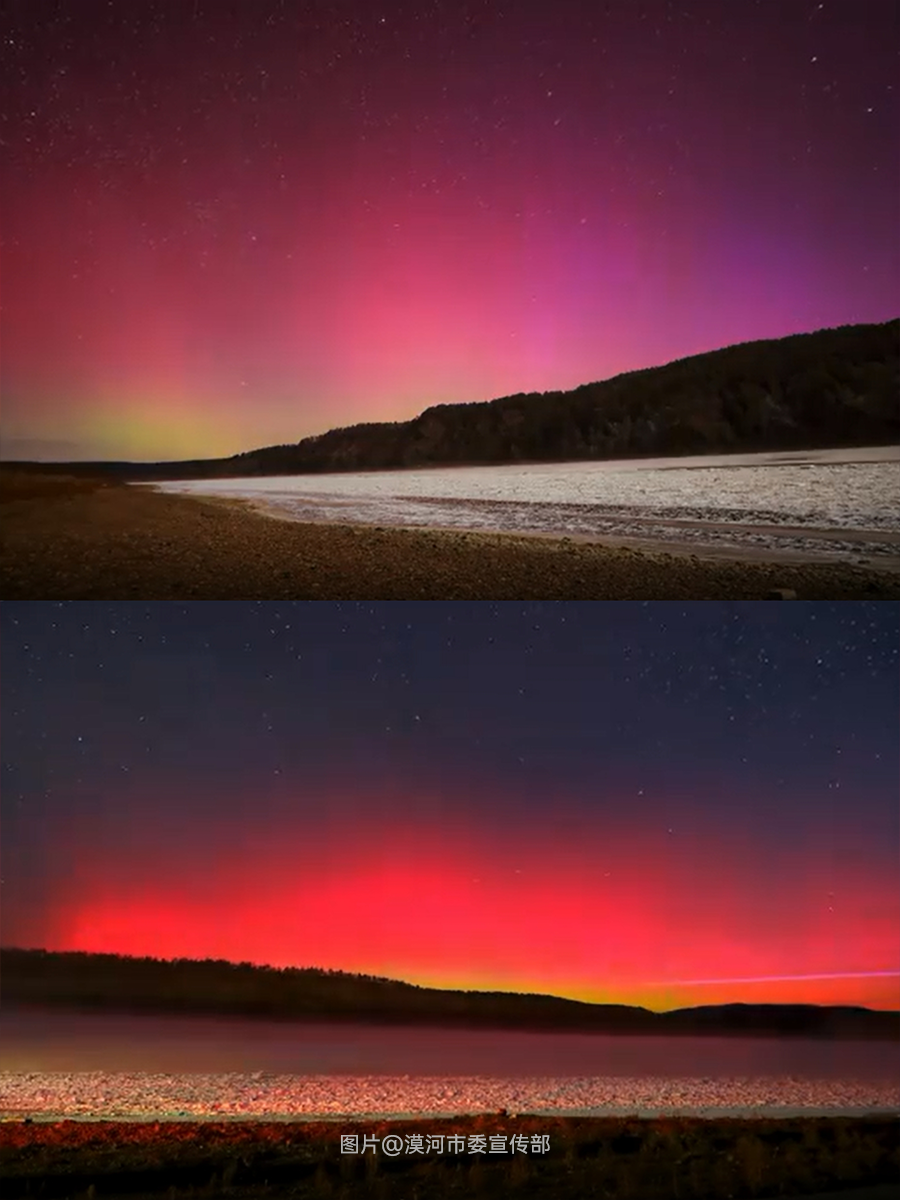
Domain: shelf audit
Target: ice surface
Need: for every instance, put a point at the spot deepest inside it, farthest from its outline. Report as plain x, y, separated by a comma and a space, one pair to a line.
832, 504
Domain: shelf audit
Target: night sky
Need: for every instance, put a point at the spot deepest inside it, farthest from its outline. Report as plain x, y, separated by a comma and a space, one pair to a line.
235, 225
659, 804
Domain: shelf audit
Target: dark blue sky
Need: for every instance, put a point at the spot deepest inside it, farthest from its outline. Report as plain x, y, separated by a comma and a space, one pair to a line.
731, 765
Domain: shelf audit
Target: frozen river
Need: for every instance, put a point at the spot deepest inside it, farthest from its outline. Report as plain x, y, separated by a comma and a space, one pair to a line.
838, 505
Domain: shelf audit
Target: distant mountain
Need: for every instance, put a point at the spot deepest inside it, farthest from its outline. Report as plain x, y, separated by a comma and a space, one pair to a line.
834, 388
109, 982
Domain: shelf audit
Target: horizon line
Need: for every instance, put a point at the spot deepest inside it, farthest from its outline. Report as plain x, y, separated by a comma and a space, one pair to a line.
454, 403
552, 995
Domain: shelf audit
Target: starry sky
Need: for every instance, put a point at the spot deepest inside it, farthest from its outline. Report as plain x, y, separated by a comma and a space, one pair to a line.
237, 225
658, 804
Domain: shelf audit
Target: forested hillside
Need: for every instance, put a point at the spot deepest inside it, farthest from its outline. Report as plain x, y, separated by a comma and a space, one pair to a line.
837, 387
111, 982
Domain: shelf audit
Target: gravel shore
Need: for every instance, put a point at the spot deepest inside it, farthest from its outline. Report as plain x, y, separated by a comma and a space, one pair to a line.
259, 1096
125, 543
165, 1153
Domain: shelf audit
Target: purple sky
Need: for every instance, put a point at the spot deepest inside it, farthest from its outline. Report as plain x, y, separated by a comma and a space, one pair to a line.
238, 225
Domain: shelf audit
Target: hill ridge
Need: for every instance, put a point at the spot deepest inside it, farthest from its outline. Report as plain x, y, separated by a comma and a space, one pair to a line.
830, 388
107, 982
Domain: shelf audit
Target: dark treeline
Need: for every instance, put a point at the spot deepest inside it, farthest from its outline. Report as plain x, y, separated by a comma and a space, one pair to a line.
833, 388
112, 982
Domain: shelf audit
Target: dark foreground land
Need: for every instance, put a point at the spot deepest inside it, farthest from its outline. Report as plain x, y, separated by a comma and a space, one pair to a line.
74, 980
80, 539
610, 1157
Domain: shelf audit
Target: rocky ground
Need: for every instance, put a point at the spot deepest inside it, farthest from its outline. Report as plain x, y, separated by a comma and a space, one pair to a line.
69, 540
264, 1095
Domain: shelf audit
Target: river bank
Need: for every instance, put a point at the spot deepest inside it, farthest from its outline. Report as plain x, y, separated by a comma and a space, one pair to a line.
71, 540
563, 1158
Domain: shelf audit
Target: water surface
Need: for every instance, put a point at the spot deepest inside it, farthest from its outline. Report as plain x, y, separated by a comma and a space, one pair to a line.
48, 1041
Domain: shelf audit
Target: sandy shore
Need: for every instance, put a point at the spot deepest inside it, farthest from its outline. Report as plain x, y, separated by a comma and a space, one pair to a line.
124, 543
